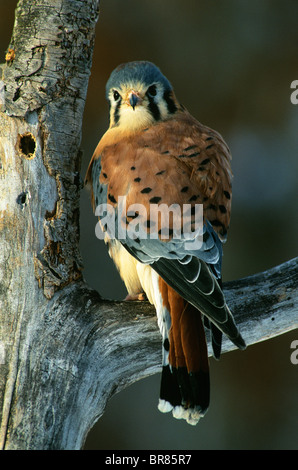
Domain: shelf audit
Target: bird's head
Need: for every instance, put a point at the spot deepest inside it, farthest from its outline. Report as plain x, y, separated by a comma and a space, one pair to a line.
139, 96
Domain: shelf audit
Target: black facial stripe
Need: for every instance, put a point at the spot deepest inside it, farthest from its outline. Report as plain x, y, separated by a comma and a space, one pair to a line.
153, 108
117, 112
172, 108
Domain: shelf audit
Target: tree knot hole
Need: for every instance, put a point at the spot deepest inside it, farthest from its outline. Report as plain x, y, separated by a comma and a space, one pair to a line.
22, 199
27, 145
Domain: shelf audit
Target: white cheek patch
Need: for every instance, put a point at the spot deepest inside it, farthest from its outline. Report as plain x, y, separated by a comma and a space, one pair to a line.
163, 109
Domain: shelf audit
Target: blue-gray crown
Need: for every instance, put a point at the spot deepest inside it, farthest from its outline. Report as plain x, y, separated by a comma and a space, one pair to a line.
138, 71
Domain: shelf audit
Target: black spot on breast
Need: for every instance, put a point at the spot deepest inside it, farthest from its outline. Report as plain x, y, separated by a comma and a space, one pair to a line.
104, 175
216, 223
184, 189
132, 168
193, 198
160, 172
204, 162
209, 146
111, 198
166, 344
137, 180
146, 190
155, 200
191, 147
192, 155
165, 152
222, 209
227, 194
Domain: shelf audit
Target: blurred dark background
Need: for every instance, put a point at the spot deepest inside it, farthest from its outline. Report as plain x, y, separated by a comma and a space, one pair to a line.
231, 64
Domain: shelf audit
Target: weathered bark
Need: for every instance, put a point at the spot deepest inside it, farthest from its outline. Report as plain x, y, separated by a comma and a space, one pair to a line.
63, 350
45, 84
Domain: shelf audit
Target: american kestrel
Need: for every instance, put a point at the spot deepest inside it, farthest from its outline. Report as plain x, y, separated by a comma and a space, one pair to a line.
156, 155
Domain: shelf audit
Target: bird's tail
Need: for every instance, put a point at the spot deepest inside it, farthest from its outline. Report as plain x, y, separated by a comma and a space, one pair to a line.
185, 387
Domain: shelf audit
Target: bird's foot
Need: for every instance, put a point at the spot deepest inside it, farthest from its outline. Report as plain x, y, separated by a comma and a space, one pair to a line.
140, 296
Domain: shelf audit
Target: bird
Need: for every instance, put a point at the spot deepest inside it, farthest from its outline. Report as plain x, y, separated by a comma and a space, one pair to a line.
155, 155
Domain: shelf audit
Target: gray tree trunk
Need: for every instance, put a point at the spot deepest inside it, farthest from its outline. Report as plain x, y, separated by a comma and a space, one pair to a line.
64, 351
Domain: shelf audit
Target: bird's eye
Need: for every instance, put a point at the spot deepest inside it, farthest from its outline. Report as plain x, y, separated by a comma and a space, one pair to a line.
152, 90
116, 95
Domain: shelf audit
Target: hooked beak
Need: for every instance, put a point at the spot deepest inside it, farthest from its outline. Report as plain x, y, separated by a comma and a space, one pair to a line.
133, 99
